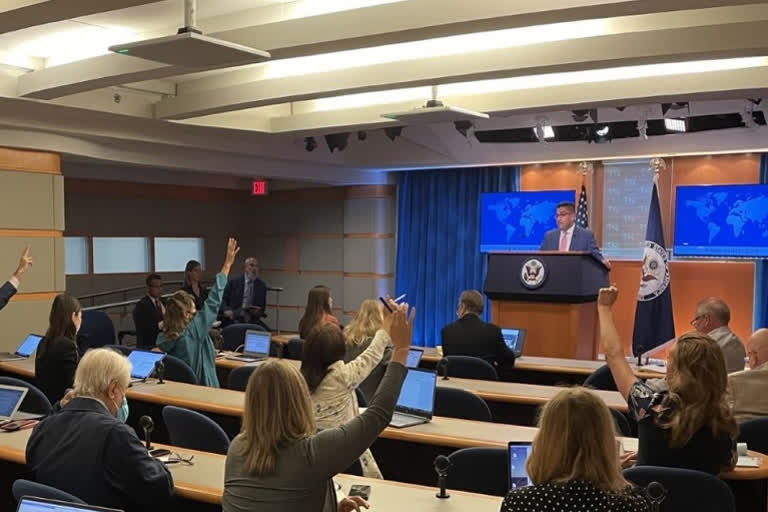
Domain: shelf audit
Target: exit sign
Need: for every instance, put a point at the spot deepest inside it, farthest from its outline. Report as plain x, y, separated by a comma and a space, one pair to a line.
259, 188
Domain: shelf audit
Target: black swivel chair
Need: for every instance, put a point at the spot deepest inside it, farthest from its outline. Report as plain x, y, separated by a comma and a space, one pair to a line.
602, 379
755, 434
233, 335
96, 331
294, 349
23, 488
194, 431
126, 351
622, 423
467, 367
362, 401
238, 378
459, 403
35, 401
480, 470
179, 371
686, 489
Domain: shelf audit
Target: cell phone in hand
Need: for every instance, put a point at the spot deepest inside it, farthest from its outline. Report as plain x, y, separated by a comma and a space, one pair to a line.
364, 491
385, 304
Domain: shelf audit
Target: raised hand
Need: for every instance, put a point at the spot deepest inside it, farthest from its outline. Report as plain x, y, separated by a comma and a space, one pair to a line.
607, 296
24, 263
401, 330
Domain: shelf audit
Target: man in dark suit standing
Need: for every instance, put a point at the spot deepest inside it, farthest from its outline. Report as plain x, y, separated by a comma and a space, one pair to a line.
570, 237
470, 336
149, 313
245, 297
10, 287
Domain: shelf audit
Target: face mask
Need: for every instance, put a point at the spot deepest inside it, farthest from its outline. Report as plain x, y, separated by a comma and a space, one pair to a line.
122, 411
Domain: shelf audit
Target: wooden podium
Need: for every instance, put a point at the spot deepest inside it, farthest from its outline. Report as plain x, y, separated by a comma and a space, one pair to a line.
551, 294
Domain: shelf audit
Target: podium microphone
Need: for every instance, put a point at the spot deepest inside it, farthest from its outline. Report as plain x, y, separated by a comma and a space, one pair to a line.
656, 495
442, 465
160, 371
442, 368
147, 425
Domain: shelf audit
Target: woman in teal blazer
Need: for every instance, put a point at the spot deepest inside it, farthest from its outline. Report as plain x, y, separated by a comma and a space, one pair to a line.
185, 330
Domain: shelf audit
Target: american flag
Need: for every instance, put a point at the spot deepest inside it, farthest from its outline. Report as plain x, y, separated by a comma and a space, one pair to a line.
582, 217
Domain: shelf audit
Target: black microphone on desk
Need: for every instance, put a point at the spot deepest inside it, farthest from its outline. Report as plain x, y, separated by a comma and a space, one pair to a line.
275, 288
442, 368
147, 425
160, 371
656, 494
442, 465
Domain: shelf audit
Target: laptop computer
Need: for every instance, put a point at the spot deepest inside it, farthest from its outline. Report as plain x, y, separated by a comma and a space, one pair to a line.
414, 357
30, 504
27, 347
518, 456
514, 338
417, 399
10, 400
255, 347
143, 363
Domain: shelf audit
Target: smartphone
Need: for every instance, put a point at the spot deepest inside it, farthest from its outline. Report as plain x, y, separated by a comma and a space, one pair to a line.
12, 426
160, 452
364, 491
385, 304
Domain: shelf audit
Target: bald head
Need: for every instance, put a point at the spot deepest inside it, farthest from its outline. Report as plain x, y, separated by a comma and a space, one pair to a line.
757, 348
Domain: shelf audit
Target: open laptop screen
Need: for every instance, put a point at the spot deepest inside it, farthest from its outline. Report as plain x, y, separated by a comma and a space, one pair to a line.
518, 456
257, 342
514, 339
29, 345
29, 504
414, 358
10, 399
143, 363
417, 396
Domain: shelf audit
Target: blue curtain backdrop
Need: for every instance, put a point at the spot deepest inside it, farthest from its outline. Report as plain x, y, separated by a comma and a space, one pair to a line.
438, 240
760, 312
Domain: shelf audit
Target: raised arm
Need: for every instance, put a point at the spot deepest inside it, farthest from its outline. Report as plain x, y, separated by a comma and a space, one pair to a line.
358, 369
333, 450
612, 347
207, 315
8, 290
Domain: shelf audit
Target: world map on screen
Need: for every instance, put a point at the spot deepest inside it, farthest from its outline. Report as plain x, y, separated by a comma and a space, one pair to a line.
713, 219
518, 220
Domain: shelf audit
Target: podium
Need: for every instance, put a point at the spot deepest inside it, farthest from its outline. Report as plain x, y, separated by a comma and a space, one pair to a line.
553, 295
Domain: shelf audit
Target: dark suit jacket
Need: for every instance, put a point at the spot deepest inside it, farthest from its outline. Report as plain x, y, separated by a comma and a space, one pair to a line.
84, 450
470, 336
55, 364
233, 297
582, 240
6, 292
145, 318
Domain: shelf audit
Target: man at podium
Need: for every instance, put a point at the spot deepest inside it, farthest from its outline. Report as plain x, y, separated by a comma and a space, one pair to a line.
570, 237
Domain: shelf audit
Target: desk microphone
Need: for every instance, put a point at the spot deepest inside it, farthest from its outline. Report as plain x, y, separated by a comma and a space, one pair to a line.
160, 371
656, 494
442, 465
442, 368
148, 426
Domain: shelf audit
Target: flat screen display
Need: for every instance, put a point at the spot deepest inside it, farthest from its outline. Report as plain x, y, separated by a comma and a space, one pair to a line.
517, 221
721, 221
518, 456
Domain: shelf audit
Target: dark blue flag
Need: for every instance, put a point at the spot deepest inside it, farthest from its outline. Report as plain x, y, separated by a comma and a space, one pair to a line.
654, 323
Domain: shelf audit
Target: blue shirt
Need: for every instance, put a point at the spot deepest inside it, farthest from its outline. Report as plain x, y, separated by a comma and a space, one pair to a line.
194, 346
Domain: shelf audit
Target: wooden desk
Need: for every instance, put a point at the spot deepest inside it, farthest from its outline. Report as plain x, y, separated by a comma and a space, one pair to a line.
204, 482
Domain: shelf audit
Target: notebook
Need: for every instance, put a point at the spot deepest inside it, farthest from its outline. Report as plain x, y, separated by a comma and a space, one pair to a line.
414, 357
255, 347
517, 456
27, 347
514, 338
143, 363
417, 399
29, 504
10, 400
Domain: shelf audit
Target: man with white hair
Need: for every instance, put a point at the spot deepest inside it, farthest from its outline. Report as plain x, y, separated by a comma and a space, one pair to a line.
712, 318
87, 450
747, 387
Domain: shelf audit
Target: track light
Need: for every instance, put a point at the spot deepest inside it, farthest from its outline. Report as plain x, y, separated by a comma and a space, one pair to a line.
602, 132
337, 141
463, 127
310, 143
393, 132
680, 105
543, 129
675, 125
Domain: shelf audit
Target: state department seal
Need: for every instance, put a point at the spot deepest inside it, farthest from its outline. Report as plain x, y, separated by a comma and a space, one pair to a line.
655, 272
533, 273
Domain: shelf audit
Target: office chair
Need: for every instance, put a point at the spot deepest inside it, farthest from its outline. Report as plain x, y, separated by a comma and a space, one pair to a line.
96, 331
294, 349
480, 470
602, 379
238, 378
622, 423
177, 370
755, 434
467, 367
459, 403
362, 401
126, 351
686, 489
23, 488
233, 336
194, 431
35, 400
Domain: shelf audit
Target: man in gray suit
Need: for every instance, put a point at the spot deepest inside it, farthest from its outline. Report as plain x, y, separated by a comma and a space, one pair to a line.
747, 387
712, 318
8, 289
570, 237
